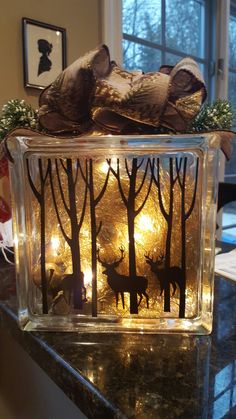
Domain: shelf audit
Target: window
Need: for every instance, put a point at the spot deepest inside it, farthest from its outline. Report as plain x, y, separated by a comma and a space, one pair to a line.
229, 212
163, 31
157, 32
230, 167
232, 55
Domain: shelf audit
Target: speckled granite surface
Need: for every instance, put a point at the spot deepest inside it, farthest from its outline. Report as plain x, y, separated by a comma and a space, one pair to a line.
138, 376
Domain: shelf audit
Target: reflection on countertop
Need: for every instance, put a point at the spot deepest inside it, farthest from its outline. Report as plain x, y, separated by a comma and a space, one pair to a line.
138, 376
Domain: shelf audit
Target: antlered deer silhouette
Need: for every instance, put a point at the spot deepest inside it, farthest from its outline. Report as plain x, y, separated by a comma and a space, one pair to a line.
120, 283
173, 275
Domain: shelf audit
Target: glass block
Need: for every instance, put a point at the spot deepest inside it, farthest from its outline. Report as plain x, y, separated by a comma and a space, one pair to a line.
115, 233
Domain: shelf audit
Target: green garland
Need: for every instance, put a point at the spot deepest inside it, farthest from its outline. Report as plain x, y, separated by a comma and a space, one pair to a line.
217, 116
17, 113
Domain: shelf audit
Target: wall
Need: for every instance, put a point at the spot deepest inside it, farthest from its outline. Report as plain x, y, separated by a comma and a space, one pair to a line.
80, 18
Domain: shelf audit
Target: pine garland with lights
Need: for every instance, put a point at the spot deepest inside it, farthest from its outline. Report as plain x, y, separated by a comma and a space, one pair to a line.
17, 113
216, 116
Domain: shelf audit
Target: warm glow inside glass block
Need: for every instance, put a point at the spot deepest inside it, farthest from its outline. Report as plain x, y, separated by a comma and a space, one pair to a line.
113, 233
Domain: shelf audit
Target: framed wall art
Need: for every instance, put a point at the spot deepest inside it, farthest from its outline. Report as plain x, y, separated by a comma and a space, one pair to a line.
44, 52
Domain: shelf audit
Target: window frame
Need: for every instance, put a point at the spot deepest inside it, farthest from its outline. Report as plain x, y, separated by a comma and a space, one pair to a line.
111, 24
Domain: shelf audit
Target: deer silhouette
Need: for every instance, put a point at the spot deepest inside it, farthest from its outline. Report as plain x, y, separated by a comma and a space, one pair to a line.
173, 275
120, 283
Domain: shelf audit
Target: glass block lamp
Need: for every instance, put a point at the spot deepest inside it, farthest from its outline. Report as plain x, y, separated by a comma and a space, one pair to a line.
115, 233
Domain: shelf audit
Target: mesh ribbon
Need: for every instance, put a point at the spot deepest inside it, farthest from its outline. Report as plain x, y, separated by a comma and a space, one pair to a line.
96, 92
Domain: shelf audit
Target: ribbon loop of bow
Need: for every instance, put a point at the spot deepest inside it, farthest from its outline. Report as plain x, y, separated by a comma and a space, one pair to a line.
95, 93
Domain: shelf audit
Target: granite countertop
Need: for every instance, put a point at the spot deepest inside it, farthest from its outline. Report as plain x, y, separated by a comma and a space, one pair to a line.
138, 376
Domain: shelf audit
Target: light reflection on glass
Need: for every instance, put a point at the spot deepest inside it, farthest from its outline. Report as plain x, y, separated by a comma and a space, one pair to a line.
234, 396
223, 380
221, 406
225, 392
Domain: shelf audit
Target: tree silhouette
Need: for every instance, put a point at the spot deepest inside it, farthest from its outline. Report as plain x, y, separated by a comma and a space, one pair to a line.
129, 202
180, 175
185, 214
43, 172
75, 221
168, 214
94, 201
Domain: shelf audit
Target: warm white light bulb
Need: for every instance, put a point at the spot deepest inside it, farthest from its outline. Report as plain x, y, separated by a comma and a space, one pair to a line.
88, 277
103, 167
145, 223
55, 242
138, 237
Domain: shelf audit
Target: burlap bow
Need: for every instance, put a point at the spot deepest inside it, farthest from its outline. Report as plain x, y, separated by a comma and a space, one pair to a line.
94, 92
95, 96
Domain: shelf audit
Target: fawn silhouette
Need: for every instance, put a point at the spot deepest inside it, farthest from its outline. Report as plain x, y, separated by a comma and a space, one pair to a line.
120, 283
66, 286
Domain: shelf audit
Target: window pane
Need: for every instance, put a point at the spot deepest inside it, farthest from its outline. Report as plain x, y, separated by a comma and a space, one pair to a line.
142, 18
140, 57
230, 166
232, 41
232, 89
185, 26
171, 59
